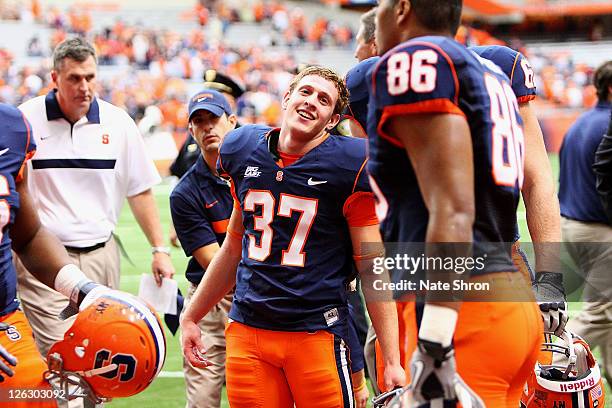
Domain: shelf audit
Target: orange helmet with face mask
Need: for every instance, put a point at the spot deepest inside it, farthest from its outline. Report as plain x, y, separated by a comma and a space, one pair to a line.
573, 380
115, 348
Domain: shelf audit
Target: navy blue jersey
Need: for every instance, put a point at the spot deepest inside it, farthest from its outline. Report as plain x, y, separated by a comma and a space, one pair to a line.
200, 204
297, 255
16, 147
438, 75
359, 93
518, 69
515, 66
577, 193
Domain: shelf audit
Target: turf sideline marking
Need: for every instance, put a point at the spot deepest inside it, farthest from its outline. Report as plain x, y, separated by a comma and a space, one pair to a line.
171, 374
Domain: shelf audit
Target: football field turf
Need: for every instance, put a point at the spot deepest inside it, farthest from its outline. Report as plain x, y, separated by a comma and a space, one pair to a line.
168, 390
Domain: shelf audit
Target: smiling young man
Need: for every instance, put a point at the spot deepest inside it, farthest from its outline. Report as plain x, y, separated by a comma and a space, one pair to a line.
90, 158
302, 209
201, 204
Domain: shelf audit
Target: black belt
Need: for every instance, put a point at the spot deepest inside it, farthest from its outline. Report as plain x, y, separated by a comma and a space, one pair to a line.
85, 249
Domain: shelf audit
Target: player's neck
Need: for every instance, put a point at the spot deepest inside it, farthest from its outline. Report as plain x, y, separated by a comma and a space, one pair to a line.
210, 158
420, 31
299, 144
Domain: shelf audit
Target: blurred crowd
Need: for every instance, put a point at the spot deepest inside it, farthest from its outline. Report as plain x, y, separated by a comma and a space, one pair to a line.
143, 66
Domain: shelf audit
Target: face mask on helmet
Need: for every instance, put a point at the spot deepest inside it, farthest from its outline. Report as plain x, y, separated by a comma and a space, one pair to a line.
572, 380
115, 348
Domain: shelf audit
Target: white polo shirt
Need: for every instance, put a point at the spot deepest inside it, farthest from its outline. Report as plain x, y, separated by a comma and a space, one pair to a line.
81, 174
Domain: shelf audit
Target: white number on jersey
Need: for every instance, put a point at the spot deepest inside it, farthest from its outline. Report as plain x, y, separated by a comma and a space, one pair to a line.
293, 255
421, 77
506, 133
5, 208
529, 75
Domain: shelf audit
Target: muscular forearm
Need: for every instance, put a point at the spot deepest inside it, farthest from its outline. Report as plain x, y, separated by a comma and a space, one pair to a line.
384, 320
144, 209
44, 256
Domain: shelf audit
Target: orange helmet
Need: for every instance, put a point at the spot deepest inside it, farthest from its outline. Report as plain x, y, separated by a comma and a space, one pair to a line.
115, 348
572, 380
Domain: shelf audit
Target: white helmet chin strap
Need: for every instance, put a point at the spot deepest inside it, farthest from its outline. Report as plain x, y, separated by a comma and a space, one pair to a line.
98, 371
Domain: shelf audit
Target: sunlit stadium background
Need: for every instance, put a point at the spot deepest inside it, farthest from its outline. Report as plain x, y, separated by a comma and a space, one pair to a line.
153, 53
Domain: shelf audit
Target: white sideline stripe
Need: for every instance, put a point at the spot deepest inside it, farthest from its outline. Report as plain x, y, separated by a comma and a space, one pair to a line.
171, 374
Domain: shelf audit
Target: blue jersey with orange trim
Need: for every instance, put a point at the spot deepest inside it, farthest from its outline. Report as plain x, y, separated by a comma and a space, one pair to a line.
518, 69
297, 256
16, 147
359, 93
438, 75
200, 204
515, 66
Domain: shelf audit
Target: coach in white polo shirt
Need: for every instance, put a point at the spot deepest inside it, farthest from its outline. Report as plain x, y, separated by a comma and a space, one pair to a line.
90, 156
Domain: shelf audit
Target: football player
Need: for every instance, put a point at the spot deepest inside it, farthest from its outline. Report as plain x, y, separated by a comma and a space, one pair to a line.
303, 209
40, 252
441, 120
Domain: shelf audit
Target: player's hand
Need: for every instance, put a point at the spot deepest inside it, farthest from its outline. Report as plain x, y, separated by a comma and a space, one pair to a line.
360, 389
361, 397
550, 295
83, 295
6, 359
162, 267
434, 377
394, 376
174, 241
192, 346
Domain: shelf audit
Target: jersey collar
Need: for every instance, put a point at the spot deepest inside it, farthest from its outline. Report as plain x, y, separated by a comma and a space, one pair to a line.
54, 111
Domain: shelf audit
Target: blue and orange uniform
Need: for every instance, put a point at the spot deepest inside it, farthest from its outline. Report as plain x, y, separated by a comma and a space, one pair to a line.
200, 204
518, 69
359, 93
449, 79
16, 147
290, 314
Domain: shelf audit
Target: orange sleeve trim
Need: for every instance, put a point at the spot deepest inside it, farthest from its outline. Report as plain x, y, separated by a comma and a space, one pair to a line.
225, 173
29, 134
233, 234
359, 209
440, 105
28, 156
516, 59
358, 174
220, 227
233, 191
525, 98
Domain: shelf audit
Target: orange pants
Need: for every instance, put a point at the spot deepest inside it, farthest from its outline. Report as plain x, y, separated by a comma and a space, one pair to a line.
19, 341
496, 343
275, 369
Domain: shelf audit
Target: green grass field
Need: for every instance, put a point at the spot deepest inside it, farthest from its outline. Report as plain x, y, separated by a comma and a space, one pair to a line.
168, 390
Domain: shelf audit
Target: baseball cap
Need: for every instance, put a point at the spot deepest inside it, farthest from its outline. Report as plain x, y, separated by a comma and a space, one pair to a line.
214, 79
210, 100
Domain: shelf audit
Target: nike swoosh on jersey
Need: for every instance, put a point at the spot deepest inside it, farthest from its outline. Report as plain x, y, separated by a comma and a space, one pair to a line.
211, 204
4, 151
312, 182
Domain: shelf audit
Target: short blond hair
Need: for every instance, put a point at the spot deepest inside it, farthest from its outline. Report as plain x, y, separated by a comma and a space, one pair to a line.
325, 73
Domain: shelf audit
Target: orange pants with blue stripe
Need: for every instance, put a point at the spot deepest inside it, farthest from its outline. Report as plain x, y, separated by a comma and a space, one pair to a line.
496, 342
276, 369
19, 341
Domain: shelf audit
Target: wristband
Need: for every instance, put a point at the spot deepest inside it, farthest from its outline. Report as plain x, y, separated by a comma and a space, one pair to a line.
68, 278
438, 324
161, 249
360, 387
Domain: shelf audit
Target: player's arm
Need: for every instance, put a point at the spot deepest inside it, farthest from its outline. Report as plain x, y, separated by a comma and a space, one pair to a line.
439, 147
383, 313
145, 211
544, 223
219, 279
46, 258
541, 202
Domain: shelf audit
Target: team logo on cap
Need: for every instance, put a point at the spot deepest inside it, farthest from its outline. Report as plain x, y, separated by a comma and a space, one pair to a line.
200, 97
